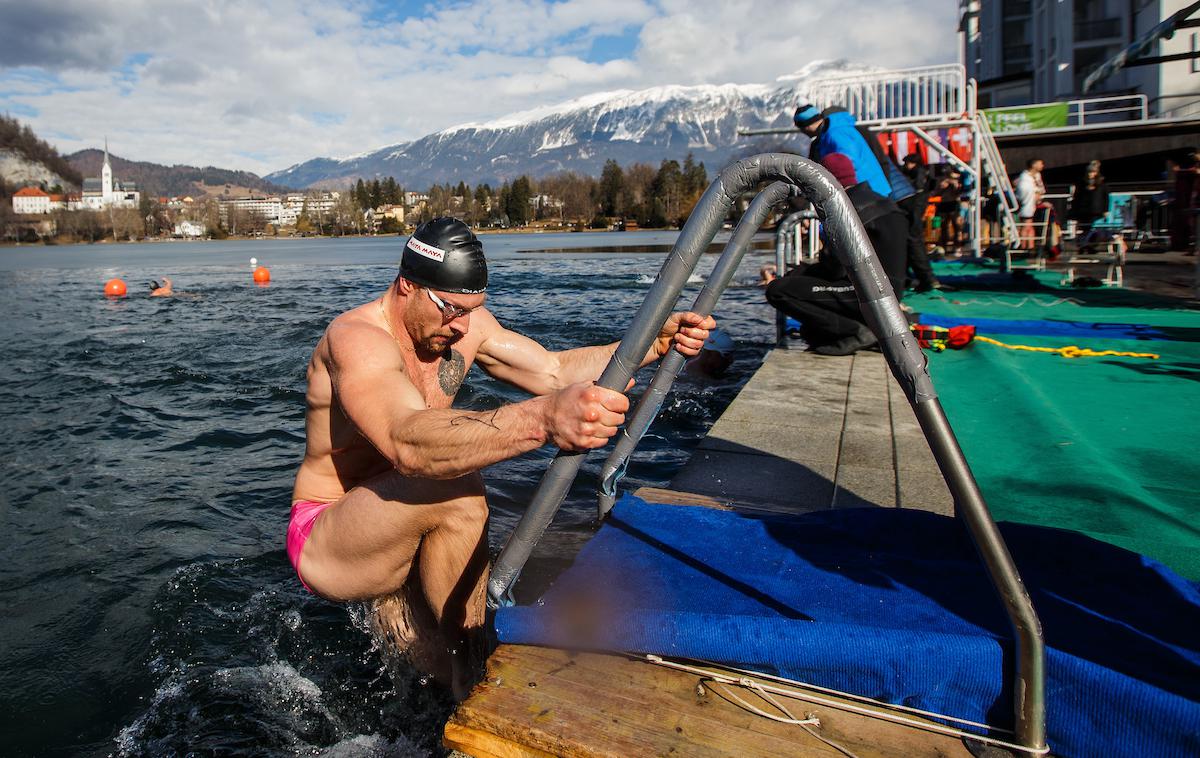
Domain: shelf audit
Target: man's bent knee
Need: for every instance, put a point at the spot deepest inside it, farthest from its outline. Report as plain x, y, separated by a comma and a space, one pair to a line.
347, 559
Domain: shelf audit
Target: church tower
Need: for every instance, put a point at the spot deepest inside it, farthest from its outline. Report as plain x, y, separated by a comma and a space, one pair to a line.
106, 178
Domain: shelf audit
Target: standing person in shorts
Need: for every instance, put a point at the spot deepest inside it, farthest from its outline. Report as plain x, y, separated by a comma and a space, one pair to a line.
388, 503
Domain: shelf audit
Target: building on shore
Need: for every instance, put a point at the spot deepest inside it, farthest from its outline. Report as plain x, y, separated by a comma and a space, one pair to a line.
1028, 51
106, 191
190, 229
268, 208
282, 211
31, 200
375, 217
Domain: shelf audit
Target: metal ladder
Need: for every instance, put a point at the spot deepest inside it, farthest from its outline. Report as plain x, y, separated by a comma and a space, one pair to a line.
848, 240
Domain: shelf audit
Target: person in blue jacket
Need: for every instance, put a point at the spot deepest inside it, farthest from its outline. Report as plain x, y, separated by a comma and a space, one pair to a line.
834, 130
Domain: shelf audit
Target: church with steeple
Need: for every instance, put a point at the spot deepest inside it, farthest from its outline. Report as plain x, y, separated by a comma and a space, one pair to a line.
103, 192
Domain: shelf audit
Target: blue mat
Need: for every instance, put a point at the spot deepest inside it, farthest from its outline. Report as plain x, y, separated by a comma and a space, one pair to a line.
894, 605
1072, 329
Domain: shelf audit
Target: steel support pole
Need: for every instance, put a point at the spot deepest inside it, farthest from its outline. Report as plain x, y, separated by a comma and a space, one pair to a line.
668, 369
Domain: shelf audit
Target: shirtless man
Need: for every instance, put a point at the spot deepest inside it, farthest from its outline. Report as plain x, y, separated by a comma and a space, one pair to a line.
388, 500
161, 290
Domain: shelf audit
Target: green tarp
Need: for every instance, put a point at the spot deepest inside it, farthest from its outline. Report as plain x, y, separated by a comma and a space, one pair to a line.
1105, 446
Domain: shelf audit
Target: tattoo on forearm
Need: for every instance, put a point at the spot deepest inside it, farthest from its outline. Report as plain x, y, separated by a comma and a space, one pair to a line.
489, 421
450, 373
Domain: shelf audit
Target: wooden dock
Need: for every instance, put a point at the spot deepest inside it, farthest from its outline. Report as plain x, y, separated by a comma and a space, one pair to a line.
806, 433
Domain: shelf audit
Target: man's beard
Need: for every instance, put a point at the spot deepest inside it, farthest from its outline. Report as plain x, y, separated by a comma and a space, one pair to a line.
437, 344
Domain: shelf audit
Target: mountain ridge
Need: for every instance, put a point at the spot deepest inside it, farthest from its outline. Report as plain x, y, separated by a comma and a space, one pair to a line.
179, 179
649, 125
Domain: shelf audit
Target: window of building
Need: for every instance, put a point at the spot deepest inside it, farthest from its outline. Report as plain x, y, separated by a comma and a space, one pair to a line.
1088, 59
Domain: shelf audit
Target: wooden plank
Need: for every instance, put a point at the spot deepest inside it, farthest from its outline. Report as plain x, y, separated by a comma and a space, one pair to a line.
919, 483
676, 497
538, 701
484, 744
675, 690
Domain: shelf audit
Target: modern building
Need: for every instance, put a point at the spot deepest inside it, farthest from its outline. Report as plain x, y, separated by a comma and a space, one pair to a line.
104, 192
283, 211
269, 209
1041, 51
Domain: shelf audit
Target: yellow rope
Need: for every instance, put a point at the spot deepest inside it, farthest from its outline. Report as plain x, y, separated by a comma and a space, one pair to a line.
1070, 351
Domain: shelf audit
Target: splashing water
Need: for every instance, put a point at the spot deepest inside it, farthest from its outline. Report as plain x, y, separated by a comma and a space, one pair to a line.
148, 454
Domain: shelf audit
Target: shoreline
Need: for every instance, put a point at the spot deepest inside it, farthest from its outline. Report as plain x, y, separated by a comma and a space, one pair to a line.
276, 238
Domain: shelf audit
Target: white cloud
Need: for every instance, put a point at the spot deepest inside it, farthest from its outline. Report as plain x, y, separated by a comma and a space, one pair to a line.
263, 85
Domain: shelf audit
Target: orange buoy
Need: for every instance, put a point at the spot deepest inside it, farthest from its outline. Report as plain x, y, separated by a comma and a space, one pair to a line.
114, 288
262, 275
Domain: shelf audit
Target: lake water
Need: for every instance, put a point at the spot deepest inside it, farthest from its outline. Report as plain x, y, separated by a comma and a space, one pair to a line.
148, 448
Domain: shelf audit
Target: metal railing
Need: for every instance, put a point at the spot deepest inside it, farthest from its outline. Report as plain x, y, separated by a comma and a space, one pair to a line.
928, 93
792, 245
1090, 111
668, 370
848, 240
1188, 109
1103, 110
992, 167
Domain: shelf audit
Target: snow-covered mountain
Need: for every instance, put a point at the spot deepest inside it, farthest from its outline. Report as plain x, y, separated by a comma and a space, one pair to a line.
580, 135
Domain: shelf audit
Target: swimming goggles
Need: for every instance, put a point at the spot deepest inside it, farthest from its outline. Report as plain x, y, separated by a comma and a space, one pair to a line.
449, 310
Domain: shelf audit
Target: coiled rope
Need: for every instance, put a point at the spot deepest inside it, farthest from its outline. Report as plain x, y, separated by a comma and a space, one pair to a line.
1070, 351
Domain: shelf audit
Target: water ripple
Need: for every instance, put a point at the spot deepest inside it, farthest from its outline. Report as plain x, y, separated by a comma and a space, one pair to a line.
147, 450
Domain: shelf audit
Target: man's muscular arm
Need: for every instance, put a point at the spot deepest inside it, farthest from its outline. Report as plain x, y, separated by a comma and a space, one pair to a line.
372, 389
522, 362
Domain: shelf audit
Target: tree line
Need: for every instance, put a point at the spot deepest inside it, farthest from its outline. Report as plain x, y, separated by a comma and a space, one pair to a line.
639, 192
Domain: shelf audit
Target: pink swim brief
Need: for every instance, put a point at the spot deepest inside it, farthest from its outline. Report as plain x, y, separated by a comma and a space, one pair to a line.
304, 516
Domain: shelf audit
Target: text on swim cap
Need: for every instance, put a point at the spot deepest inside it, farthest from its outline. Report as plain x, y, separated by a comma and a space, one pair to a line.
429, 251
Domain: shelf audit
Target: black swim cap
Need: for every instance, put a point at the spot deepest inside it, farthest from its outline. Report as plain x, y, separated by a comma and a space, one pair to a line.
444, 254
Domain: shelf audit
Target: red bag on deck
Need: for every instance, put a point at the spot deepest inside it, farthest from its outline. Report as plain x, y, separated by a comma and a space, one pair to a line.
938, 338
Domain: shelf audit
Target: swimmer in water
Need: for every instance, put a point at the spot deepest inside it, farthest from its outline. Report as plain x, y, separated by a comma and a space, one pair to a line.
388, 504
715, 357
161, 290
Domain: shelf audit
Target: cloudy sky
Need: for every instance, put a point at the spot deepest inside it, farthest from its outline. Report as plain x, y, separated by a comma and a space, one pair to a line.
262, 85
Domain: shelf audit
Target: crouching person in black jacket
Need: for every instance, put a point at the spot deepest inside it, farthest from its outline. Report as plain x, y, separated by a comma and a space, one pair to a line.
820, 296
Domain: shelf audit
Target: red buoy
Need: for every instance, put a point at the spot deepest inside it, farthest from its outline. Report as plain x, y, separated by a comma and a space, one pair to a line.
262, 275
114, 288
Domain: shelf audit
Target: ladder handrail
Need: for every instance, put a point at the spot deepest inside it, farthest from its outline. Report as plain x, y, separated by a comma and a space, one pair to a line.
998, 174
668, 370
849, 242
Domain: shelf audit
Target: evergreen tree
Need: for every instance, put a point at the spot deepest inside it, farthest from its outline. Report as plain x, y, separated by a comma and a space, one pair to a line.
374, 195
612, 185
695, 177
502, 204
518, 201
667, 188
359, 193
483, 198
391, 192
658, 213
